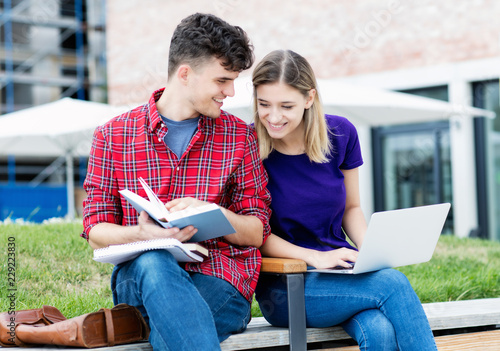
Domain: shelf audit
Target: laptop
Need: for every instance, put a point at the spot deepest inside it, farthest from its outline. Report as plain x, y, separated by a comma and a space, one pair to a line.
398, 238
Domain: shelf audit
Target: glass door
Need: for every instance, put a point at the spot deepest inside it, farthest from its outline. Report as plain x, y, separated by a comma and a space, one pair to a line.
413, 167
487, 138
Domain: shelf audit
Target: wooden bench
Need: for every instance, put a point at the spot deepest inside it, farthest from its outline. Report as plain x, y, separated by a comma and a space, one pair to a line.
457, 325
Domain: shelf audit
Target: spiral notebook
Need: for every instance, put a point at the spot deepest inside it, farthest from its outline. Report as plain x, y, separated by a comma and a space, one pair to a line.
183, 252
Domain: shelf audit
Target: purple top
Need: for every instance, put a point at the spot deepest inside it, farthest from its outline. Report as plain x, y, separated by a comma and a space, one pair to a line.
308, 199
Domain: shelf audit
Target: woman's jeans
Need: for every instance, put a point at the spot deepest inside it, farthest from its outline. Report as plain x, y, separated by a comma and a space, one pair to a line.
380, 310
185, 311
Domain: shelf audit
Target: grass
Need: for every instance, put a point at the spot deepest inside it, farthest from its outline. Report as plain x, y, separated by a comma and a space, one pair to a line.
460, 269
54, 266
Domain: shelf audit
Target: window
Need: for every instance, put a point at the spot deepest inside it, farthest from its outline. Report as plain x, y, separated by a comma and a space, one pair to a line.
437, 92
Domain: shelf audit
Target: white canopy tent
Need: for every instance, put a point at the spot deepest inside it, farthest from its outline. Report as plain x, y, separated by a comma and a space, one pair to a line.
53, 129
63, 128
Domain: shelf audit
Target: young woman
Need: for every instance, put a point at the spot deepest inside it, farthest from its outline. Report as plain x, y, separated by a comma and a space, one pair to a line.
312, 161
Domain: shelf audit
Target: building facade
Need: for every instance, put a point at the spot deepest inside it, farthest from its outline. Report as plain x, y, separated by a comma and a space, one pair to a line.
49, 50
446, 50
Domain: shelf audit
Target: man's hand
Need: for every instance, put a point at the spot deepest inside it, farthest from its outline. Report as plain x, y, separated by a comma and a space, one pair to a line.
105, 234
148, 229
183, 203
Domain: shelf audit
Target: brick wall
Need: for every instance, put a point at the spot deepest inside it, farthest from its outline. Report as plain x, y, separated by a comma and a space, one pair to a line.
339, 38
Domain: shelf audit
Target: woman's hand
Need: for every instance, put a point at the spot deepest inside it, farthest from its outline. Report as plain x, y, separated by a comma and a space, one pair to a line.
334, 258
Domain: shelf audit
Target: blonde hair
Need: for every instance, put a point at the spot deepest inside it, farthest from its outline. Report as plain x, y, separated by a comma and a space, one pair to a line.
292, 69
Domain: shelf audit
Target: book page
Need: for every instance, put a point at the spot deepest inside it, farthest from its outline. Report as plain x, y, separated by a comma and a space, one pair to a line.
190, 211
153, 198
141, 204
208, 219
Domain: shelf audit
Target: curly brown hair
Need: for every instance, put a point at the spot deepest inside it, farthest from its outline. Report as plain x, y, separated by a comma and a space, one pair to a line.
201, 37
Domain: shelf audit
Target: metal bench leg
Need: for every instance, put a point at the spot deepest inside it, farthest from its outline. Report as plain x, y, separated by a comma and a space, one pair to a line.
296, 312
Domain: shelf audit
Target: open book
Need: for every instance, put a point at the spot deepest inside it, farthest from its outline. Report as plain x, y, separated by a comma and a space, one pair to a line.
117, 254
209, 219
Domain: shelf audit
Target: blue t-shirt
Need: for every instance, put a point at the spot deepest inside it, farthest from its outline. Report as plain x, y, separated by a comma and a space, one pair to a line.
308, 198
179, 134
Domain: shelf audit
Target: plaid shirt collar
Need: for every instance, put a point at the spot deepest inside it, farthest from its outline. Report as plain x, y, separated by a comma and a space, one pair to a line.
155, 121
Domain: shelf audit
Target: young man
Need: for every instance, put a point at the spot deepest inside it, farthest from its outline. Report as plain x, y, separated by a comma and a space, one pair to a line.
190, 153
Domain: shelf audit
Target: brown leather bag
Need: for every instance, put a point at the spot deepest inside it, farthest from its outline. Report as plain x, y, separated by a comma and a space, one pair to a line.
107, 327
34, 317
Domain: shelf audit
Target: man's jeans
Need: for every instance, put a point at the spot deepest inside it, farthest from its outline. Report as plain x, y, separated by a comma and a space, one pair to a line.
380, 310
185, 311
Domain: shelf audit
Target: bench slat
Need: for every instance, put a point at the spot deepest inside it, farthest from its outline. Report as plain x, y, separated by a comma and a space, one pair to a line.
262, 334
139, 346
463, 314
282, 265
482, 341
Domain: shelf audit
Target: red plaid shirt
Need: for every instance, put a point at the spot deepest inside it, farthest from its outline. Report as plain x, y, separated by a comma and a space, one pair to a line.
221, 165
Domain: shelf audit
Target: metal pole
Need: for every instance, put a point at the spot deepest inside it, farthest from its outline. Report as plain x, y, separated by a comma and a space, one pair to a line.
80, 68
296, 312
70, 185
11, 169
9, 65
